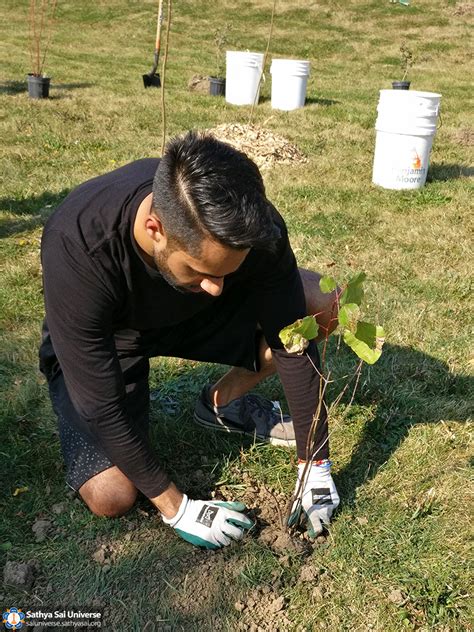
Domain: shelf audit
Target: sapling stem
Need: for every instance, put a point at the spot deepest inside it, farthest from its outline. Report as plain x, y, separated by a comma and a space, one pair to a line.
277, 506
40, 18
363, 338
265, 56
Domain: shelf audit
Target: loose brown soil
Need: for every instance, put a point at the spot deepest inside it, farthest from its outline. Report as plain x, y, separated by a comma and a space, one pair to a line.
20, 575
263, 608
199, 84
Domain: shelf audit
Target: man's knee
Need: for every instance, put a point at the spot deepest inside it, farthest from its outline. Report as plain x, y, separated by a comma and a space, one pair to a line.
109, 494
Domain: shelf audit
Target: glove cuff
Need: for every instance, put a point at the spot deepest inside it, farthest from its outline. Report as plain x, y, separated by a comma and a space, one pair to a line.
321, 466
175, 519
315, 462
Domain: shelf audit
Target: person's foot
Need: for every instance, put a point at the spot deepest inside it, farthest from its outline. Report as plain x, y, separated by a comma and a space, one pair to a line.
251, 415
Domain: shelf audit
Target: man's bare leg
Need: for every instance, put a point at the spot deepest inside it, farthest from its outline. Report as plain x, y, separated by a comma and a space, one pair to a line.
239, 381
109, 493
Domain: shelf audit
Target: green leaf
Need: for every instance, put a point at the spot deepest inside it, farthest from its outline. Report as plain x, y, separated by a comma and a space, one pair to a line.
348, 316
5, 546
327, 285
366, 342
354, 292
296, 337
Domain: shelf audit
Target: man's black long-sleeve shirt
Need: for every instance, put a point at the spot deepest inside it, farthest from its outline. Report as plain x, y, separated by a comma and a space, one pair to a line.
96, 284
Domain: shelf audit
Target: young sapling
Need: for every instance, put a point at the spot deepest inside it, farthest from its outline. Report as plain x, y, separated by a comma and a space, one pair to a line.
366, 341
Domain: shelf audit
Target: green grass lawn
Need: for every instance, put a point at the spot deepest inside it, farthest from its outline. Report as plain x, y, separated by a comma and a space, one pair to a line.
398, 552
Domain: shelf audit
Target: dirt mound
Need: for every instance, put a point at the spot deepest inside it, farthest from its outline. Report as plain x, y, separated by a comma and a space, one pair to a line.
21, 575
269, 508
199, 84
264, 147
463, 8
263, 610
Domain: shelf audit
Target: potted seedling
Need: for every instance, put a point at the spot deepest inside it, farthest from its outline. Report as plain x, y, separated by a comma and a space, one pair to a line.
406, 62
217, 81
41, 14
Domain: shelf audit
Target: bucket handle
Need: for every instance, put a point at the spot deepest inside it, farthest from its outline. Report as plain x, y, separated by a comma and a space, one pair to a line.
440, 121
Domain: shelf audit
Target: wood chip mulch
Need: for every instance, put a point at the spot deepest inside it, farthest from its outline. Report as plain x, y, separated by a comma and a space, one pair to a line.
261, 145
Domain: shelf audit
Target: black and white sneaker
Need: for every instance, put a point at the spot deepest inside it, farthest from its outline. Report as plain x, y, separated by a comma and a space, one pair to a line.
251, 415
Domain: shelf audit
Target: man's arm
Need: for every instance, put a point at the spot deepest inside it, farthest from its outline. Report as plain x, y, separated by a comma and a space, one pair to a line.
281, 301
169, 501
79, 309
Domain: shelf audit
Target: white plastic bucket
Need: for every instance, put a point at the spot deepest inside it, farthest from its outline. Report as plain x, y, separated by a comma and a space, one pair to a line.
420, 103
406, 125
243, 71
289, 80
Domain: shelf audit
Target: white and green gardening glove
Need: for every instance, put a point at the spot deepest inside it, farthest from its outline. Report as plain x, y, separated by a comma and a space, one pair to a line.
318, 500
210, 524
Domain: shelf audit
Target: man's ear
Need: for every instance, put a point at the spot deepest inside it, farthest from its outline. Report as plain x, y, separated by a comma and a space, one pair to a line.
155, 229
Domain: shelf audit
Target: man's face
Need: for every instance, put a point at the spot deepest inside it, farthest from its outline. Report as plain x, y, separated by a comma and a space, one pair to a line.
205, 273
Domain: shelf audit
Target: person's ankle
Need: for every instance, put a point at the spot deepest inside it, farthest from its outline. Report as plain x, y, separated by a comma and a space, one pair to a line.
219, 396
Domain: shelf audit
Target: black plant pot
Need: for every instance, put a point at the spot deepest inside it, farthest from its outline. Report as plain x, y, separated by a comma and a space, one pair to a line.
401, 85
38, 87
216, 86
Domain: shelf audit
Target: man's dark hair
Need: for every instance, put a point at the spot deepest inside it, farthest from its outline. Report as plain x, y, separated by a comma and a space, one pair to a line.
206, 188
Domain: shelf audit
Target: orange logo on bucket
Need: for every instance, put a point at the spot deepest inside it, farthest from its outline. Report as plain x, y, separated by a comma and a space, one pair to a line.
416, 161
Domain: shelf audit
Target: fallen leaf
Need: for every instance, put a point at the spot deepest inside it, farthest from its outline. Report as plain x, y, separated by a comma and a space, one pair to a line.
20, 490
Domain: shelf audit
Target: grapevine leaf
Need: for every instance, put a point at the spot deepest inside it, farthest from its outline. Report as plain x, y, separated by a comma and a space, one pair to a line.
296, 337
366, 342
354, 291
327, 285
349, 315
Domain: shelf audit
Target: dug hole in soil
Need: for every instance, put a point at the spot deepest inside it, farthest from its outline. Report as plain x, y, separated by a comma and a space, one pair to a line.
265, 608
260, 608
